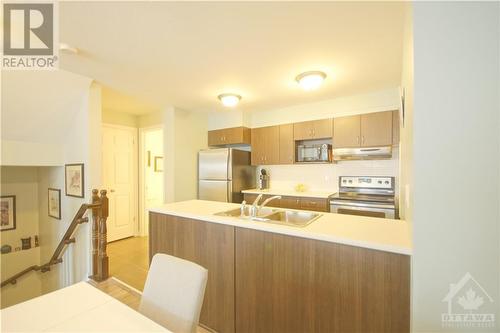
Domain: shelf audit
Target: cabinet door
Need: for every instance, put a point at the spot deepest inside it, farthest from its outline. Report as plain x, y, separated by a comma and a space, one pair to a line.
376, 129
395, 127
321, 129
271, 143
215, 138
292, 284
287, 144
316, 204
210, 245
302, 131
258, 146
346, 132
237, 135
290, 202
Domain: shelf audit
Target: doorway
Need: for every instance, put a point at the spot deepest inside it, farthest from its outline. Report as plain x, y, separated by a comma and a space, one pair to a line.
151, 173
119, 175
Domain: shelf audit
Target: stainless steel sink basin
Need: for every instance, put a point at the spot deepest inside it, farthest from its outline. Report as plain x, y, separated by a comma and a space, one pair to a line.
293, 218
237, 212
277, 216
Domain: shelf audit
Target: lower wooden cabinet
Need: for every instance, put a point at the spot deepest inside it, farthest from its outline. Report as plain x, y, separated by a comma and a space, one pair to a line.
210, 245
291, 284
266, 282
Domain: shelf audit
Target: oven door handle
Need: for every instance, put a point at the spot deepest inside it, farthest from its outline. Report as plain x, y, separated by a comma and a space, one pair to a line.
342, 203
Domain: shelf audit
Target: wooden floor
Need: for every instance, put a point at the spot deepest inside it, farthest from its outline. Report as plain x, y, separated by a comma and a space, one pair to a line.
129, 261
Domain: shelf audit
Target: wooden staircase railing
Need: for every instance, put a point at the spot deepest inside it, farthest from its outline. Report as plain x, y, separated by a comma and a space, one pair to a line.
100, 264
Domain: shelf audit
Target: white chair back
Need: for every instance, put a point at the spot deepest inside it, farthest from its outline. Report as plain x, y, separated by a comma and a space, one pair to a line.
173, 293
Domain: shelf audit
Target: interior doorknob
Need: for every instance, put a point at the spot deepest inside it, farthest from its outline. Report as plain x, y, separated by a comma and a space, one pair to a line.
112, 191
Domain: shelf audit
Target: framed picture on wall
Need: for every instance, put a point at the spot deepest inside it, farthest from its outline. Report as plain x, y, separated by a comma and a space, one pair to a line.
54, 202
8, 212
74, 180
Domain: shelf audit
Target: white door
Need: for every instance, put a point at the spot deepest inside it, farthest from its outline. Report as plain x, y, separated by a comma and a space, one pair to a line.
153, 171
119, 173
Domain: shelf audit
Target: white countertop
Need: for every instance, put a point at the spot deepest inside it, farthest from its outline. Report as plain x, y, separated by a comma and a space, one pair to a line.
77, 308
368, 232
291, 193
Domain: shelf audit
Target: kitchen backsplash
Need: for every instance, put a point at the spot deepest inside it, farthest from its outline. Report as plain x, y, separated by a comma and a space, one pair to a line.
324, 177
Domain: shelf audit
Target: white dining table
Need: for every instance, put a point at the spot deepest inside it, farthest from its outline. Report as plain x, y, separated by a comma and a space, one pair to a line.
77, 308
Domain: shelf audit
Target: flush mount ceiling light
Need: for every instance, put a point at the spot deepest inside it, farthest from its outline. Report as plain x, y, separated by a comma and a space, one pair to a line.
310, 80
229, 100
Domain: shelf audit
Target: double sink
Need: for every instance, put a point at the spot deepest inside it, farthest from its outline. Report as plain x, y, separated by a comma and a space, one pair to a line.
277, 216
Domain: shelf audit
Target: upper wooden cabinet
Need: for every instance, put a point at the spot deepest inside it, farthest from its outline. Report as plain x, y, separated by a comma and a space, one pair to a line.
376, 129
265, 145
366, 130
287, 145
346, 132
229, 136
315, 129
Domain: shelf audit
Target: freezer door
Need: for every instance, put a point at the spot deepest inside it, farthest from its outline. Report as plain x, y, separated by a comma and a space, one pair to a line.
215, 190
213, 164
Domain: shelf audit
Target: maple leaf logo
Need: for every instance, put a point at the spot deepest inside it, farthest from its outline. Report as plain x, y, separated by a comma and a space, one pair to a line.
470, 301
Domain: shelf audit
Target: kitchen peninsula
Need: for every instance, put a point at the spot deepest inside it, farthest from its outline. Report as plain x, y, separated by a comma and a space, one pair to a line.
340, 273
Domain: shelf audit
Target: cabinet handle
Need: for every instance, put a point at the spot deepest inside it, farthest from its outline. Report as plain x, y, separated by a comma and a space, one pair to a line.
363, 139
357, 139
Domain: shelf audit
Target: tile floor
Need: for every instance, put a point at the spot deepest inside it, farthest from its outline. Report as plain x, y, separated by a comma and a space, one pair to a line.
129, 261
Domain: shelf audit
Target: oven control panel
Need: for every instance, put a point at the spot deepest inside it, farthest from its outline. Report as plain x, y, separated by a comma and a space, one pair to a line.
367, 182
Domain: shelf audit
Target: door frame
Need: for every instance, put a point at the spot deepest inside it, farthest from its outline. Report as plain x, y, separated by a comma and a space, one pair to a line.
135, 162
143, 227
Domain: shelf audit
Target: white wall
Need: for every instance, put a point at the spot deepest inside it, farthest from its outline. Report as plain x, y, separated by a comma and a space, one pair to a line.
119, 118
185, 133
456, 156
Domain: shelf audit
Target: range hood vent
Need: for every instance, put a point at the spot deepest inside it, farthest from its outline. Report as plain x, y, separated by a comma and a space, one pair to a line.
372, 153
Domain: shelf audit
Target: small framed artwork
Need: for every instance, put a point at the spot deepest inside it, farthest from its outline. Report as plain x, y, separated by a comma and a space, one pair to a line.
158, 163
74, 180
54, 199
8, 212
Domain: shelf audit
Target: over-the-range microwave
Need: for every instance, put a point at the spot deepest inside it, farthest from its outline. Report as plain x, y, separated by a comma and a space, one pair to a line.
314, 153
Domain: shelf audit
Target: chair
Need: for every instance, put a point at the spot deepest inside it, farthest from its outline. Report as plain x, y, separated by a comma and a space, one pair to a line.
173, 293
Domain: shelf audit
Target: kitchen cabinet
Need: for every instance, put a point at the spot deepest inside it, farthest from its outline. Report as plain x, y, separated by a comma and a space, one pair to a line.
292, 284
287, 144
265, 145
376, 129
210, 245
315, 129
268, 282
366, 130
304, 203
346, 132
395, 127
229, 136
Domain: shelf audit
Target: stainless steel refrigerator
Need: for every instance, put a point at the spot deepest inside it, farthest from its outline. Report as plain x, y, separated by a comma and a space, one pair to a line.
223, 173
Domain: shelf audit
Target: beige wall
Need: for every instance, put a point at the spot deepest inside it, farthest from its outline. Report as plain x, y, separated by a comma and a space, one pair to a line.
185, 133
119, 118
150, 119
23, 183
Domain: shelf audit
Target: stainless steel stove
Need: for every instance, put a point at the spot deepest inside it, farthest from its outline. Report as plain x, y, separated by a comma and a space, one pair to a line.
365, 196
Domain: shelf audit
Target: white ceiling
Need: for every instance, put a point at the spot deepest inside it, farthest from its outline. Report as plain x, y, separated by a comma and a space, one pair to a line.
186, 53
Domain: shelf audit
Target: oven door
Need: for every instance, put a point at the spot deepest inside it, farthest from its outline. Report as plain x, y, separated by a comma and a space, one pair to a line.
362, 209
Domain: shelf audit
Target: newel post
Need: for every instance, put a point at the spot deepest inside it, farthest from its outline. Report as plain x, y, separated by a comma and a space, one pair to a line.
103, 266
95, 232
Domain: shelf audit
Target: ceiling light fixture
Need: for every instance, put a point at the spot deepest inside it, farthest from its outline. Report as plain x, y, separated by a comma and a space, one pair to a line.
229, 100
310, 80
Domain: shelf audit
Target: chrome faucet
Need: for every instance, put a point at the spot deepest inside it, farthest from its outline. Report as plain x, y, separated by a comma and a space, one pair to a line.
254, 210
